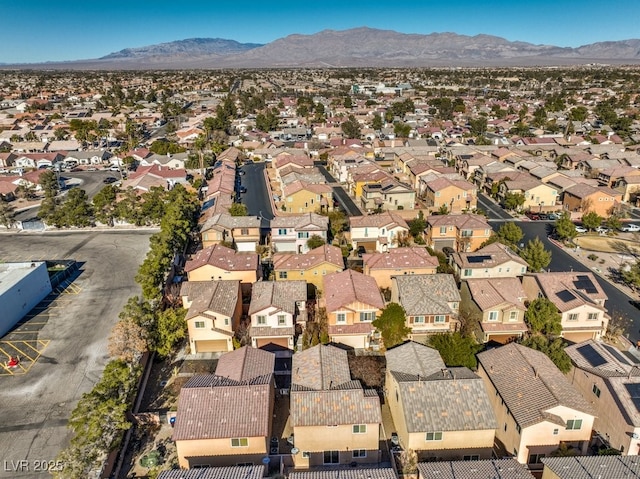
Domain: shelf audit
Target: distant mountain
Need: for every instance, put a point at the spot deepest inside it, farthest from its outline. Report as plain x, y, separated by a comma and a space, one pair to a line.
358, 47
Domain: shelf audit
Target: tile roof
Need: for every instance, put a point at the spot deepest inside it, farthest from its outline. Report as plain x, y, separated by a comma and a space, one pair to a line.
229, 222
366, 472
614, 363
489, 293
491, 255
415, 257
301, 221
349, 286
281, 294
245, 363
462, 221
487, 469
334, 407
594, 467
384, 219
413, 358
320, 367
303, 261
228, 472
442, 183
427, 294
568, 290
217, 296
223, 258
529, 383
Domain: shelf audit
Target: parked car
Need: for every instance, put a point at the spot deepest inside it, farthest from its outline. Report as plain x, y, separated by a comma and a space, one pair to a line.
581, 229
631, 228
602, 230
109, 179
242, 189
553, 216
241, 172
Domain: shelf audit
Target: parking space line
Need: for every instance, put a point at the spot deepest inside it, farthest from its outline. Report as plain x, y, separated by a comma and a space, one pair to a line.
21, 350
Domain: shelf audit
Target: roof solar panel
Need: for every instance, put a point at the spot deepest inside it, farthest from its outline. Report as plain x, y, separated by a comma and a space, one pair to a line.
584, 283
478, 258
592, 356
565, 296
617, 354
634, 391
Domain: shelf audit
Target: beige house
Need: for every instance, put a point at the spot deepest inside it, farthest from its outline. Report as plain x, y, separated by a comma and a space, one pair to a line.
380, 232
457, 196
464, 232
276, 309
311, 267
335, 421
431, 303
420, 391
579, 299
610, 380
536, 194
352, 301
500, 305
584, 198
225, 418
537, 409
397, 262
243, 231
387, 195
591, 467
214, 310
493, 261
218, 262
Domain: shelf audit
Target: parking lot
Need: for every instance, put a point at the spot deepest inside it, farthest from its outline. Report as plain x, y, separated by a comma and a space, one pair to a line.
62, 342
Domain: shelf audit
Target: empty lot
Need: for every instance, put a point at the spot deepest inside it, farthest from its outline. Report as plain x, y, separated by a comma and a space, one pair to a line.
71, 330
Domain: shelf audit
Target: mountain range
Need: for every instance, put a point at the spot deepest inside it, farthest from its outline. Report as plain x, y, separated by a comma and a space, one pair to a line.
358, 47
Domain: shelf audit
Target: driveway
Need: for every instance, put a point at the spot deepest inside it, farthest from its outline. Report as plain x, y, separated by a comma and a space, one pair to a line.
257, 196
72, 329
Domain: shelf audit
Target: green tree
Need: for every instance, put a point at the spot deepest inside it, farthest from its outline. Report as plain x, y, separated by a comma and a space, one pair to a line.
49, 183
455, 349
104, 204
315, 241
565, 229
535, 254
510, 234
163, 146
542, 316
7, 214
591, 220
171, 328
513, 201
631, 274
75, 210
351, 127
418, 225
478, 126
579, 113
553, 348
401, 130
267, 122
377, 122
392, 325
238, 209
337, 222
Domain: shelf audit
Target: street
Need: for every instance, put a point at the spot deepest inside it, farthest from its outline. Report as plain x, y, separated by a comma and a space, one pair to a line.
494, 212
339, 193
257, 196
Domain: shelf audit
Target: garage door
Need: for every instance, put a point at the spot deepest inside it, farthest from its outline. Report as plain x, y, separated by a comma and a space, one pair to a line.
578, 337
438, 244
357, 342
502, 338
369, 246
246, 247
284, 342
211, 346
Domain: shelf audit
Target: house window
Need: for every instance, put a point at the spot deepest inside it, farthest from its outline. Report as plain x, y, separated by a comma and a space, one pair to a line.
359, 428
261, 320
367, 316
226, 321
593, 316
341, 318
282, 274
239, 442
244, 231
573, 317
467, 272
306, 454
289, 199
466, 233
282, 231
282, 320
418, 319
443, 230
574, 424
359, 453
596, 390
556, 431
535, 458
303, 234
199, 324
434, 436
437, 194
518, 429
440, 319
331, 457
513, 315
472, 457
493, 315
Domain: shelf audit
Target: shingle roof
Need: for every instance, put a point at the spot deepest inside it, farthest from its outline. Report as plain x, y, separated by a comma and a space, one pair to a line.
228, 472
281, 294
427, 294
245, 363
320, 367
529, 383
325, 253
594, 467
218, 296
223, 258
489, 469
349, 286
341, 473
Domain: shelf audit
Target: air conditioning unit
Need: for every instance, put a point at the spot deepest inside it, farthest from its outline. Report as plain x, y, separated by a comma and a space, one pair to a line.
635, 436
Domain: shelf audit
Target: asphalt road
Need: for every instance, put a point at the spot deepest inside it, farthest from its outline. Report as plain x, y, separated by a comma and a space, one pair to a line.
340, 194
257, 196
494, 212
618, 304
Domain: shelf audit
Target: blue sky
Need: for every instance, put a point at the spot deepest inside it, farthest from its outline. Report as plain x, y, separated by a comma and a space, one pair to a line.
38, 30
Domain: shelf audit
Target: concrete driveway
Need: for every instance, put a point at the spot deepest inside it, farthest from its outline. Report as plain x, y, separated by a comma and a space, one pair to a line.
72, 329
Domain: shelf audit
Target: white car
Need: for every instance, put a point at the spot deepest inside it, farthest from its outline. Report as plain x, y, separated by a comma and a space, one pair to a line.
630, 228
581, 229
602, 230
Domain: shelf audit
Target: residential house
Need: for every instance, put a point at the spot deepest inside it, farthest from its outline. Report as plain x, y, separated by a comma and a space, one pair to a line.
346, 472
213, 314
88, 157
146, 177
610, 380
464, 232
222, 472
500, 305
584, 198
303, 197
493, 261
490, 469
310, 267
335, 421
629, 187
536, 407
218, 262
379, 232
431, 303
387, 195
590, 467
276, 308
290, 233
440, 413
536, 194
610, 176
242, 231
396, 262
352, 301
224, 419
357, 178
579, 299
453, 196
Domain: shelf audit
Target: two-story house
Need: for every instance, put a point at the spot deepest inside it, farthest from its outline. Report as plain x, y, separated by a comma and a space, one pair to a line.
225, 418
377, 232
302, 197
579, 299
291, 233
243, 231
311, 267
275, 310
490, 468
420, 392
603, 467
536, 407
352, 301
396, 262
464, 232
213, 314
218, 262
500, 305
457, 196
431, 303
387, 195
335, 421
584, 198
493, 261
536, 194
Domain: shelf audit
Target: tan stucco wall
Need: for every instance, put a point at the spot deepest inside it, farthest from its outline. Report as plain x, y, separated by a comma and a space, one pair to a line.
219, 451
207, 272
311, 276
383, 276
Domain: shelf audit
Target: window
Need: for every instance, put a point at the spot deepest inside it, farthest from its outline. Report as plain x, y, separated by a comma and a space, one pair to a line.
331, 457
239, 442
359, 428
440, 319
306, 454
261, 320
244, 231
443, 230
467, 272
226, 321
434, 436
556, 431
472, 457
366, 316
437, 194
418, 319
289, 199
303, 234
574, 424
199, 324
466, 233
493, 315
282, 320
513, 315
593, 316
518, 429
535, 458
341, 318
282, 274
573, 317
359, 453
596, 390
282, 231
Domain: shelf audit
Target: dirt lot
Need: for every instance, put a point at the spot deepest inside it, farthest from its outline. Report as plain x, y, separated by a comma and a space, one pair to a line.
607, 244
